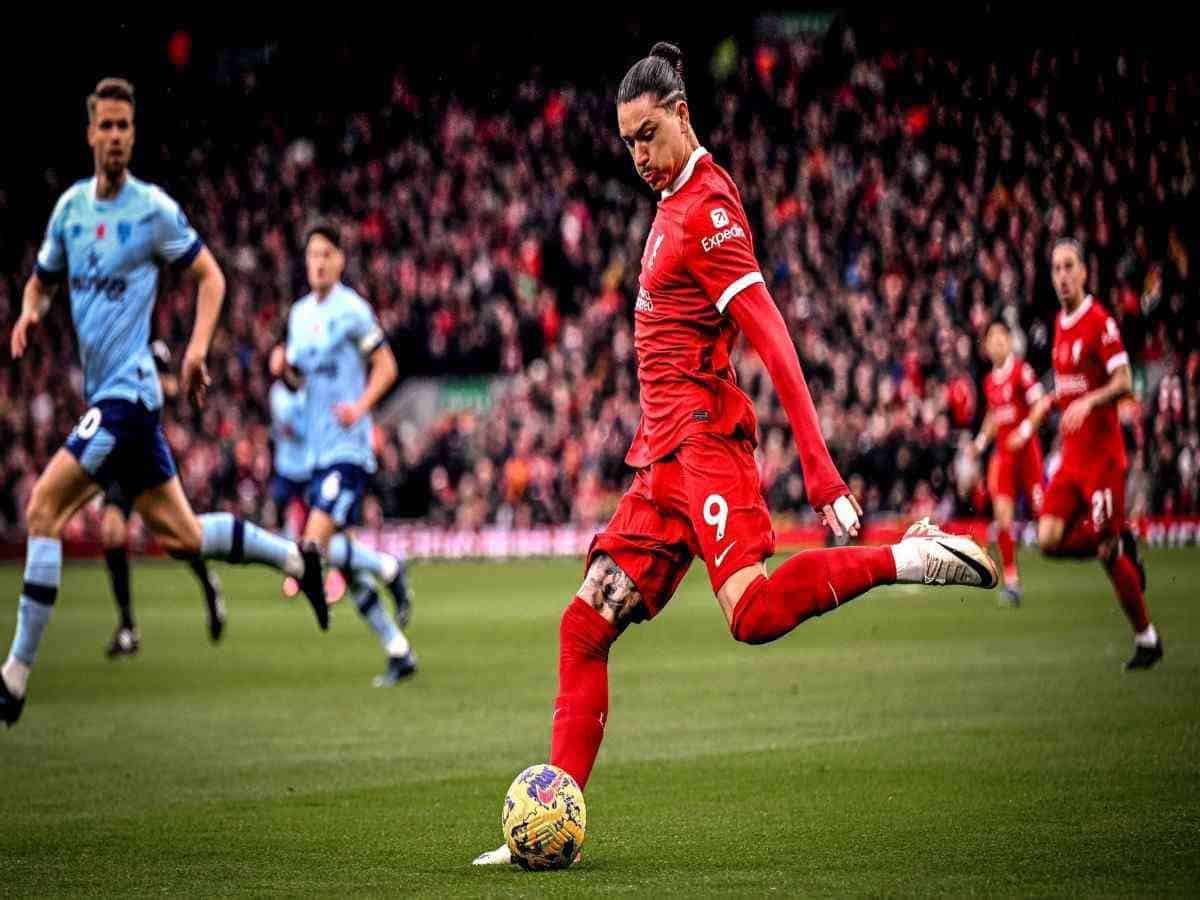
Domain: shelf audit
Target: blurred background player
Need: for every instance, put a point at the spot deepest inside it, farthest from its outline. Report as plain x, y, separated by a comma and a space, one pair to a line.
337, 347
1015, 472
108, 236
290, 473
696, 488
1084, 512
114, 533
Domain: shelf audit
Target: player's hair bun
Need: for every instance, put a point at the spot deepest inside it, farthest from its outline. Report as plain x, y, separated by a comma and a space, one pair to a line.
671, 53
660, 75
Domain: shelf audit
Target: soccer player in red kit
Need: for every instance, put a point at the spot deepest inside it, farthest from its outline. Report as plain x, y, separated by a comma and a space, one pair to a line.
1011, 389
696, 489
1083, 515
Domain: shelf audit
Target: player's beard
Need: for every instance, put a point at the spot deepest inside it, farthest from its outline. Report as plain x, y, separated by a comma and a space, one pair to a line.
114, 167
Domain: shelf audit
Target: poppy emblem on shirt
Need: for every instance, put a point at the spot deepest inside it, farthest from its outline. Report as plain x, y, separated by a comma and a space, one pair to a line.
720, 218
100, 230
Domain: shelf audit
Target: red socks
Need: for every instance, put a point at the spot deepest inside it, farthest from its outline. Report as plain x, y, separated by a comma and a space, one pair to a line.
581, 708
1128, 583
1008, 554
807, 585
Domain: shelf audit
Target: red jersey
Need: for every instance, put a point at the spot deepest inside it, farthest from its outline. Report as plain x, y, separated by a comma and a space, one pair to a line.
1011, 389
699, 255
1087, 350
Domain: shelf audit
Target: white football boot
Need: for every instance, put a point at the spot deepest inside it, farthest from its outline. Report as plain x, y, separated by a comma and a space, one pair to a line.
929, 555
501, 856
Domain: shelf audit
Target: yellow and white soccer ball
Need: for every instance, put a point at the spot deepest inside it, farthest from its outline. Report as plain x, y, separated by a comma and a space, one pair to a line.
544, 818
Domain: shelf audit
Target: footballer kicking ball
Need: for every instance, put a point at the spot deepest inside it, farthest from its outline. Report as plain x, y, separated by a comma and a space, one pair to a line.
544, 818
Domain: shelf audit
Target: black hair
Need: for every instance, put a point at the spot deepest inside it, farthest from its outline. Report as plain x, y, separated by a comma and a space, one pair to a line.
660, 74
327, 230
999, 323
1074, 245
109, 89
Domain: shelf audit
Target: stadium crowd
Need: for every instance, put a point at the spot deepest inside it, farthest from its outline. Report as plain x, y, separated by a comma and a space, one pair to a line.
900, 201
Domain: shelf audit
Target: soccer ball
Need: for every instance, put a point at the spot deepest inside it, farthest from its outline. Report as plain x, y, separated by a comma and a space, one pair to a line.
544, 818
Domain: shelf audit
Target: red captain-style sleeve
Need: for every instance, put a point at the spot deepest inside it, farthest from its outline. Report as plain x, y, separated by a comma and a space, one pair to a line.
756, 314
1030, 384
1112, 349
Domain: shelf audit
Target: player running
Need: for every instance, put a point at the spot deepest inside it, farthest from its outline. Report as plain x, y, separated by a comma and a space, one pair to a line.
337, 347
1011, 389
114, 534
1084, 512
291, 471
108, 236
696, 489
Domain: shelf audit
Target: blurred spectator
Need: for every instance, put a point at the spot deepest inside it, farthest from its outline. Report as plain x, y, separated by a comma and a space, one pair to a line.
900, 200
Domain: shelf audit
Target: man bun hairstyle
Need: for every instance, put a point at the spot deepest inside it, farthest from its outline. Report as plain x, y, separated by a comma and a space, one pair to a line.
109, 89
660, 74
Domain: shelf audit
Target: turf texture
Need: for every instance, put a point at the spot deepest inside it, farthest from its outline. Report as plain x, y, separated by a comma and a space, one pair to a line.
916, 742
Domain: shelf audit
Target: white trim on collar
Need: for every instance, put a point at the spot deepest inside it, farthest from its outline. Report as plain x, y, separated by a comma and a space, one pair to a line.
688, 168
1065, 321
1004, 368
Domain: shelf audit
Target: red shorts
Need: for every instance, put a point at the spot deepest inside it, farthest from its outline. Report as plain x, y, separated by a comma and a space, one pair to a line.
1019, 474
706, 501
1097, 490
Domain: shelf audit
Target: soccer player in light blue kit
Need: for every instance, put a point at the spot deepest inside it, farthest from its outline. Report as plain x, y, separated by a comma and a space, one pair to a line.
107, 238
291, 470
337, 347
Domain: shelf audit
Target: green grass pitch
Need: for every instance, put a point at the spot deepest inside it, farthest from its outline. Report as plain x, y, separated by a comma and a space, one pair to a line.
916, 742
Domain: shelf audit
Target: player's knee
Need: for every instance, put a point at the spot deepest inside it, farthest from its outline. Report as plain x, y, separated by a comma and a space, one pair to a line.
112, 530
1049, 535
41, 516
610, 592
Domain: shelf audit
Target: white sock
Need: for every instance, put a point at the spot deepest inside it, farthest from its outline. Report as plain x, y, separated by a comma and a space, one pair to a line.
1147, 638
398, 645
391, 568
910, 568
16, 676
294, 564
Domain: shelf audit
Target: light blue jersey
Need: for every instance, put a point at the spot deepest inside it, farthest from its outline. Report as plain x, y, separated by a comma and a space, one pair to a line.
329, 341
110, 252
287, 430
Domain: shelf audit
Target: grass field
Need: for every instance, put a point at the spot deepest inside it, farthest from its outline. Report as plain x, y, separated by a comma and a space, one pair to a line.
914, 743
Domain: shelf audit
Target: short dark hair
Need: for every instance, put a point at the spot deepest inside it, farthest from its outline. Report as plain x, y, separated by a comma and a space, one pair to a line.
1074, 245
660, 74
109, 89
999, 323
325, 229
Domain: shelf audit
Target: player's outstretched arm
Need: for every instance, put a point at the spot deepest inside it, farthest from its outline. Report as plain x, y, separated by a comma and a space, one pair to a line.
758, 317
384, 372
35, 300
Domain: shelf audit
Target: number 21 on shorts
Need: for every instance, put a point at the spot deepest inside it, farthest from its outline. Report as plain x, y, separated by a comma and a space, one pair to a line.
1102, 507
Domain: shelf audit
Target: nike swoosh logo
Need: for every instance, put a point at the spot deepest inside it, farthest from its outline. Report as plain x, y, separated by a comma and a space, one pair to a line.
720, 558
985, 577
